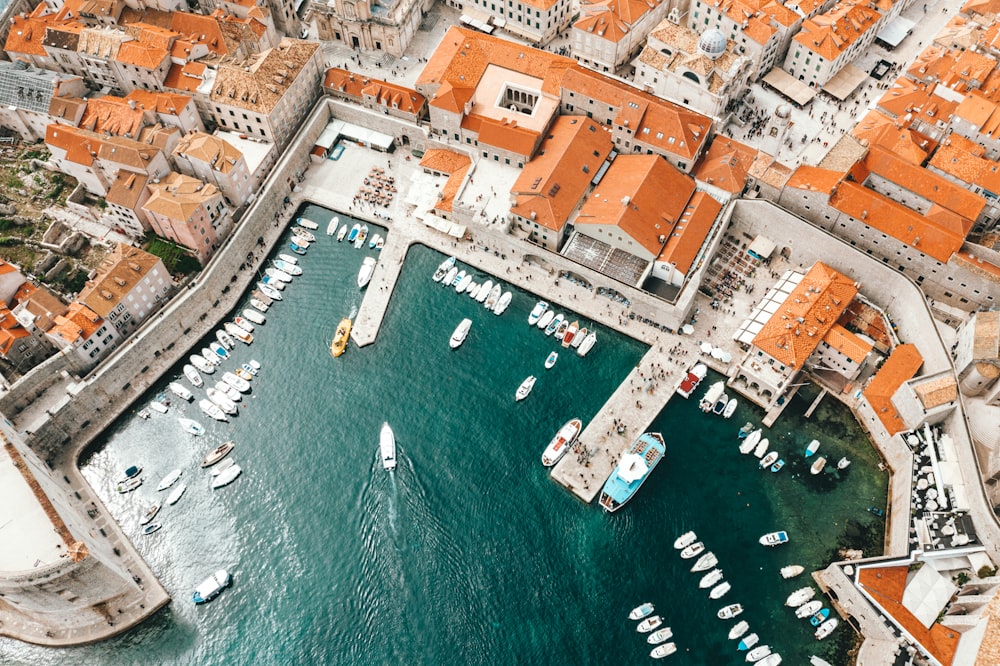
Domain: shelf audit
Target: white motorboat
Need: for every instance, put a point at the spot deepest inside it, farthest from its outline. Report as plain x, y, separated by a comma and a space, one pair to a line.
473, 290
193, 376
151, 528
220, 399
541, 307
212, 586
843, 463
192, 427
729, 612
243, 323
443, 269
817, 466
198, 361
660, 635
223, 466
525, 388
649, 624
219, 349
150, 513
461, 332
387, 447
685, 540
774, 538
554, 325
812, 448
730, 408
461, 275
484, 291
237, 383
546, 319
176, 495
158, 406
580, 337
503, 303
492, 298
661, 651
705, 562
550, 360
562, 442
816, 661
800, 596
258, 305
758, 653
710, 579
768, 460
210, 356
225, 339
738, 630
289, 259
570, 335
218, 453
228, 391
227, 476
587, 344
773, 659
273, 282
359, 242
212, 410
306, 223
463, 284
269, 291
180, 391
761, 448
808, 609
277, 274
711, 396
342, 234
304, 234
693, 550
128, 485
791, 571
331, 226
750, 441
300, 242
238, 333
170, 479
719, 590
450, 276
365, 272
748, 642
641, 611
374, 241
252, 315
826, 628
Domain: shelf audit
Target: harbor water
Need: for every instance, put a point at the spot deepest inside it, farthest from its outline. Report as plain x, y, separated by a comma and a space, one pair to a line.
468, 553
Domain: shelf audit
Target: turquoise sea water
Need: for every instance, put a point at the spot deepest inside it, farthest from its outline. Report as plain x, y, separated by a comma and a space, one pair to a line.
468, 553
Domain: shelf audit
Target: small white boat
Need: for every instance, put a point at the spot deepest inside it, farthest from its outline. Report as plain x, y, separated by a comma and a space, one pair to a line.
224, 338
826, 628
649, 624
685, 540
227, 476
808, 609
238, 333
304, 234
151, 528
748, 642
220, 399
240, 385
843, 463
525, 388
713, 393
705, 562
379, 244
738, 630
443, 269
170, 479
773, 659
641, 611
289, 259
774, 538
223, 466
193, 376
812, 448
587, 344
750, 441
298, 249
484, 291
473, 290
502, 304
461, 332
228, 391
546, 319
816, 661
331, 226
492, 298
817, 466
150, 513
562, 442
660, 635
710, 579
198, 361
180, 391
192, 427
212, 586
252, 315
459, 276
697, 548
258, 305
218, 453
463, 284
342, 234
300, 242
176, 495
800, 596
365, 272
210, 356
719, 590
359, 242
243, 323
252, 365
450, 276
285, 267
551, 360
768, 460
730, 408
661, 651
570, 335
374, 241
269, 291
791, 571
558, 322
219, 349
761, 448
158, 406
306, 223
580, 337
758, 653
720, 404
729, 612
541, 307
387, 447
212, 410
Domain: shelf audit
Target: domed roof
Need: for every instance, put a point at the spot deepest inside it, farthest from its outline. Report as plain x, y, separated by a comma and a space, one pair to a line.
712, 43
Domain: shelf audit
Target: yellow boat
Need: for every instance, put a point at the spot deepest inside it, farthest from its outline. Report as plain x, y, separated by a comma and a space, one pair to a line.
340, 338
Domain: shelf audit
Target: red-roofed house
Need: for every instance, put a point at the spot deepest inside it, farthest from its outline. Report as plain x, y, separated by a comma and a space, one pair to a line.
763, 28
610, 32
536, 21
724, 169
381, 96
901, 366
85, 332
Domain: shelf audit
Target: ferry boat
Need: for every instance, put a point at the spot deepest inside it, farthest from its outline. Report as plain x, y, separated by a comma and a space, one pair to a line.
192, 427
550, 360
362, 235
711, 395
774, 538
587, 344
306, 223
366, 271
443, 269
226, 477
641, 611
570, 334
387, 447
212, 586
355, 230
341, 337
562, 442
503, 303
690, 383
632, 470
818, 466
170, 479
342, 234
256, 317
218, 453
461, 332
525, 388
180, 391
545, 319
193, 376
212, 409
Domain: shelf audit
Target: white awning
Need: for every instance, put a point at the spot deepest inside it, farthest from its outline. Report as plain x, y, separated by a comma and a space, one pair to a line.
895, 31
761, 247
845, 82
789, 86
338, 128
632, 467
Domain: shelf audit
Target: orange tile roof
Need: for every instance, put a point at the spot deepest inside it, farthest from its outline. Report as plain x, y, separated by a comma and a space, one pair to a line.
27, 31
963, 160
81, 147
980, 112
916, 100
186, 77
877, 129
927, 184
690, 233
550, 186
449, 162
117, 275
612, 20
814, 179
200, 29
112, 115
504, 134
78, 324
981, 7
900, 367
809, 312
643, 195
976, 264
886, 586
726, 164
847, 343
830, 34
127, 189
386, 93
760, 16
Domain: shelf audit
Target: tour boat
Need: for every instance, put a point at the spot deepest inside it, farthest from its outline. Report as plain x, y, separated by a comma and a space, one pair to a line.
561, 329
579, 337
750, 442
691, 381
238, 333
191, 426
649, 624
304, 234
729, 612
285, 267
331, 226
296, 248
387, 447
705, 562
449, 276
554, 324
720, 405
738, 629
768, 460
443, 269
306, 223
545, 319
461, 332
707, 401
289, 259
150, 513
562, 442
761, 448
719, 590
463, 284
819, 617
180, 391
237, 383
632, 470
301, 242
218, 453
198, 361
219, 350
748, 642
659, 635
525, 388
587, 344
342, 234
818, 466
826, 628
365, 272
252, 315
661, 651
685, 540
243, 323
843, 463
570, 334
151, 528
220, 399
641, 611
227, 476
800, 596
226, 339
710, 579
792, 570
128, 485
808, 609
193, 376
492, 298
774, 538
212, 410
503, 303
362, 235
212, 586
269, 291
176, 495
550, 360
697, 548
758, 653
730, 408
812, 448
227, 390
170, 479
484, 291
341, 337
776, 467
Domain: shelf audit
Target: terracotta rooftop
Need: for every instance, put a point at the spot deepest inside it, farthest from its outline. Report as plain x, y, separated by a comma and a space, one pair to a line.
937, 391
117, 275
551, 185
179, 197
980, 112
976, 264
847, 343
269, 77
612, 20
832, 33
814, 179
684, 55
962, 159
127, 189
726, 164
27, 31
81, 146
877, 129
186, 77
901, 366
917, 100
449, 162
886, 586
810, 311
210, 149
78, 324
926, 184
956, 69
690, 233
41, 303
385, 93
10, 330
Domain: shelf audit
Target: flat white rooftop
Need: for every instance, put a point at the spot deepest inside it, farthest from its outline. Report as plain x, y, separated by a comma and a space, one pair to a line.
29, 539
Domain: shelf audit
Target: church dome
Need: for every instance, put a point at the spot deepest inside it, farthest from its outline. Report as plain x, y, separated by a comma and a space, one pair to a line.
712, 44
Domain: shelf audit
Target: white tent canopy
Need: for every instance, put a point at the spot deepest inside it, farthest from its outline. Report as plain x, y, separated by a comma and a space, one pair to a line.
761, 247
338, 128
632, 467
